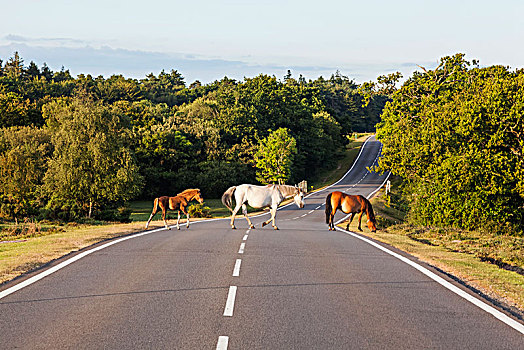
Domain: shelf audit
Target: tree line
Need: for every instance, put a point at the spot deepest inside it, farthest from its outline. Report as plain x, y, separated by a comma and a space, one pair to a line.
455, 135
72, 147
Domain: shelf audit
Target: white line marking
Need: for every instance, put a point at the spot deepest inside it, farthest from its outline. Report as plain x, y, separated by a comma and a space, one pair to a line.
241, 250
303, 215
489, 309
507, 320
222, 342
318, 206
309, 212
236, 270
230, 303
245, 237
63, 264
347, 172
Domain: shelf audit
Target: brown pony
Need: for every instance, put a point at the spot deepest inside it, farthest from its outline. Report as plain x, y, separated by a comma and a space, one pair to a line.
350, 205
178, 203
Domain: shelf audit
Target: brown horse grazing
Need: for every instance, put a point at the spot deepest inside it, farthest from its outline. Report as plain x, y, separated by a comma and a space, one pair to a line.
178, 203
349, 204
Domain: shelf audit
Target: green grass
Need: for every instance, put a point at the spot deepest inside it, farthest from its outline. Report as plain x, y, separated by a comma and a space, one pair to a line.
457, 252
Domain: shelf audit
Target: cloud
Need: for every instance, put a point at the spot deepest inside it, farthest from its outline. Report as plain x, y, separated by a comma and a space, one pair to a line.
81, 58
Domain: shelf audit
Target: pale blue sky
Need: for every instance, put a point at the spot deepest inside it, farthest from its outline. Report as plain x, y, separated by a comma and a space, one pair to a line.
208, 40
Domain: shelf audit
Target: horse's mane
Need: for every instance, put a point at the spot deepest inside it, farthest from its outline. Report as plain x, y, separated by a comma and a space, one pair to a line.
189, 191
287, 189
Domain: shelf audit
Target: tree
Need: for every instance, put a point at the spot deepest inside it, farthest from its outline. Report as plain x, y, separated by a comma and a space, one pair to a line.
24, 152
455, 135
14, 67
32, 71
92, 165
274, 157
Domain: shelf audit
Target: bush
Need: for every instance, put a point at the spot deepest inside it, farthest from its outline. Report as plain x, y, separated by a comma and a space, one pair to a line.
199, 211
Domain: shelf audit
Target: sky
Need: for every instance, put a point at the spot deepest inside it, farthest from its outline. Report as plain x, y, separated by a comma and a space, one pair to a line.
206, 40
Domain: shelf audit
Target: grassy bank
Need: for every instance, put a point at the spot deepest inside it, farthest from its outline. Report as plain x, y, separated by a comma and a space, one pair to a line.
491, 264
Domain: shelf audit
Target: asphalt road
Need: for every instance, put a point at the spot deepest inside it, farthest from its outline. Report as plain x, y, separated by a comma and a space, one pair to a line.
302, 287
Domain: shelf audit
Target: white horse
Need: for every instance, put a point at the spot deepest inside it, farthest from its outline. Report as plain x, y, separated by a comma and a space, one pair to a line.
260, 197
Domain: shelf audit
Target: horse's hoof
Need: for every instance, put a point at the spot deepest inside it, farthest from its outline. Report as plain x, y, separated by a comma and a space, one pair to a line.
252, 226
264, 224
178, 228
360, 229
275, 228
233, 227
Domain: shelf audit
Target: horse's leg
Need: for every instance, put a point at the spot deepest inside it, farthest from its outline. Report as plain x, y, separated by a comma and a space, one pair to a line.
244, 211
273, 212
331, 218
359, 220
187, 218
164, 211
233, 213
269, 220
274, 215
350, 220
178, 220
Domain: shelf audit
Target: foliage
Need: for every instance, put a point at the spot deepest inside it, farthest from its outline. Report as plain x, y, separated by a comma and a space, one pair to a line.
199, 211
92, 163
456, 134
24, 152
115, 138
274, 157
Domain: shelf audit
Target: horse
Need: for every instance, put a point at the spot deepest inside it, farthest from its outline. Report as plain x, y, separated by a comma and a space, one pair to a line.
178, 203
349, 204
260, 197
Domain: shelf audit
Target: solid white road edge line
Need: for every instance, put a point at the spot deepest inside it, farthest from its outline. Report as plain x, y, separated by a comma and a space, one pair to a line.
501, 316
230, 303
236, 270
63, 264
222, 343
477, 302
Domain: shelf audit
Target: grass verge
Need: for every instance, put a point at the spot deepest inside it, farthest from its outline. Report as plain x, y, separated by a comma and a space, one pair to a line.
463, 255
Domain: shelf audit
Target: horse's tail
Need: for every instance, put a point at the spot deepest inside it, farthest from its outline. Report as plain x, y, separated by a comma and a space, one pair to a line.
227, 197
155, 206
328, 208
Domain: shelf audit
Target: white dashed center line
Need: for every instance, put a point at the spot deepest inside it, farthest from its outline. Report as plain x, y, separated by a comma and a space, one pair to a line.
242, 247
236, 270
230, 303
222, 343
245, 237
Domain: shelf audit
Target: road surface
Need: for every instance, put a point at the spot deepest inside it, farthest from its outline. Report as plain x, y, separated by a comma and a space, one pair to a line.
302, 287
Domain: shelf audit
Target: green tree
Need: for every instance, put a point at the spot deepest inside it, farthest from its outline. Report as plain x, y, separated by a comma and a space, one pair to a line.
274, 157
455, 134
92, 165
24, 152
14, 67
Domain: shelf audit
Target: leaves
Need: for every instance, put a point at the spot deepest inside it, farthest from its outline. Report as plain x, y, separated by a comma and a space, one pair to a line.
455, 135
